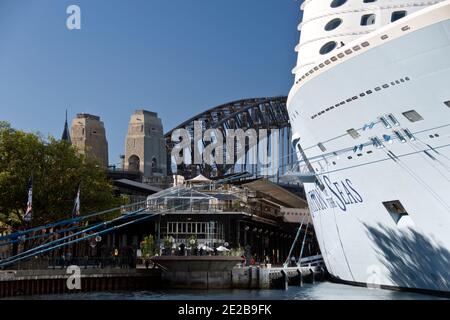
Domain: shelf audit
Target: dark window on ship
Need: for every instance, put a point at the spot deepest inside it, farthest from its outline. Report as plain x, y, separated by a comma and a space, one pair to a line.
333, 24
397, 15
393, 119
367, 19
412, 115
337, 3
369, 1
321, 147
385, 122
353, 133
328, 47
395, 209
447, 103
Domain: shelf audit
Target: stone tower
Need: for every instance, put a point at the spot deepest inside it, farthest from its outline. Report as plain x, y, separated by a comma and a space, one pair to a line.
88, 136
145, 149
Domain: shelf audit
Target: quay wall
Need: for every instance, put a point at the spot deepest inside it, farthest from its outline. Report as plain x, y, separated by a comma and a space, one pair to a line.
42, 282
241, 278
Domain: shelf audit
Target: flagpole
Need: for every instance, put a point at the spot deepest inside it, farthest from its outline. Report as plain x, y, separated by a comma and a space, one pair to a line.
76, 213
28, 215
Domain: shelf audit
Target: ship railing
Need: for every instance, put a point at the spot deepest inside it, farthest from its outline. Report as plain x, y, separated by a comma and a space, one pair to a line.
299, 173
316, 260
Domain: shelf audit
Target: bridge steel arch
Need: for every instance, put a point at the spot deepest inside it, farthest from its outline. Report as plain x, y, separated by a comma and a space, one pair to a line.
255, 113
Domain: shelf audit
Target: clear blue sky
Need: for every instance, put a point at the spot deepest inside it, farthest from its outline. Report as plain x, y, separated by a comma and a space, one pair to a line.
174, 57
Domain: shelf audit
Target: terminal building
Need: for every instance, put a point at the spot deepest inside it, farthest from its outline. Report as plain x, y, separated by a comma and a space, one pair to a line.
260, 218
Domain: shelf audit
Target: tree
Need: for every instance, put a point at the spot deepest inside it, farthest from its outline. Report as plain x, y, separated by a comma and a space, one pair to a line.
57, 170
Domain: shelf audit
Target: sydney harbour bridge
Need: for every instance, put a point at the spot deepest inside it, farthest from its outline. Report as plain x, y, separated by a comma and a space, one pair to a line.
266, 113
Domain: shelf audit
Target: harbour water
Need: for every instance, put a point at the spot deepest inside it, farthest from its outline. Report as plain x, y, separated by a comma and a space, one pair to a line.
318, 291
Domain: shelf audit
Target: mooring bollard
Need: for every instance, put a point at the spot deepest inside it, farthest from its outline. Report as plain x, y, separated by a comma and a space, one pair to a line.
285, 279
300, 280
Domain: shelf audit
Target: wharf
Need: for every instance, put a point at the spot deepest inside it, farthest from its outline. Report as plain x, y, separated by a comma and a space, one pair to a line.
55, 281
202, 274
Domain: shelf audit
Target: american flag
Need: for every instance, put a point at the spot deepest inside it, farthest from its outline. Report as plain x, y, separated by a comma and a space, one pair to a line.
76, 207
29, 211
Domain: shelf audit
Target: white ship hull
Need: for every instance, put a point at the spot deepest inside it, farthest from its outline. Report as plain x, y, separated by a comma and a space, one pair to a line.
362, 238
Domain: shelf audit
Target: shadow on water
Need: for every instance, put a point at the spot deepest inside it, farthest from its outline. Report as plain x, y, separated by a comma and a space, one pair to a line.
412, 259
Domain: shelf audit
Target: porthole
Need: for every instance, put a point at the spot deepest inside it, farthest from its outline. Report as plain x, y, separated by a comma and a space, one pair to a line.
328, 47
337, 3
333, 24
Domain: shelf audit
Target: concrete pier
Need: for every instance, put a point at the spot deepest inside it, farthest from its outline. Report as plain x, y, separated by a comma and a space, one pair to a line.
222, 272
197, 272
275, 278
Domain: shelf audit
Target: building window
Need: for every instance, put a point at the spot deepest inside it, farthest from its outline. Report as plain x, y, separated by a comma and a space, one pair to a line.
134, 163
333, 24
328, 47
337, 3
154, 165
397, 15
412, 115
367, 19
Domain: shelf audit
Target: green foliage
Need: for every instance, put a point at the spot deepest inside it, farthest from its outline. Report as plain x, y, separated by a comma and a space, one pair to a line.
57, 170
236, 252
148, 247
192, 242
168, 242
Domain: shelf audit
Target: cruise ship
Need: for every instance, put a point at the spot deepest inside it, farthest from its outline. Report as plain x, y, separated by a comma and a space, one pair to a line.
370, 113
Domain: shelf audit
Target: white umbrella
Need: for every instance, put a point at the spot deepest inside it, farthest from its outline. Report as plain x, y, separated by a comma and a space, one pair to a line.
205, 248
222, 248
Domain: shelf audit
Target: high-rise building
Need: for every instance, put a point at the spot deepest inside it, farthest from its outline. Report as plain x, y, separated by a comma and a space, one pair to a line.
145, 149
88, 136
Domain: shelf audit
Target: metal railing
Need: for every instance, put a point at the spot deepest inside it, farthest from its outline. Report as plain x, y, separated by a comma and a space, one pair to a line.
42, 263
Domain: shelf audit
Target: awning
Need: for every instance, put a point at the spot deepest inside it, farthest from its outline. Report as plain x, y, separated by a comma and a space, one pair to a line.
126, 183
277, 193
200, 179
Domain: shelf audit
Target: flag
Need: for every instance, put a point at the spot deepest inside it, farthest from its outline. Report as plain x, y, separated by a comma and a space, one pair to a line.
76, 207
29, 211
